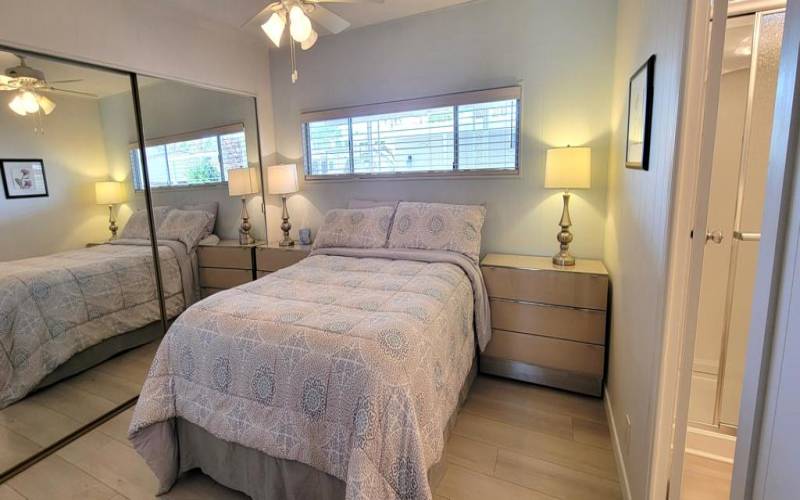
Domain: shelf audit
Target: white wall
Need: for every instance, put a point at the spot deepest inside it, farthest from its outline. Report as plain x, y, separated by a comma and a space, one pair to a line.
636, 235
172, 108
146, 36
560, 52
74, 157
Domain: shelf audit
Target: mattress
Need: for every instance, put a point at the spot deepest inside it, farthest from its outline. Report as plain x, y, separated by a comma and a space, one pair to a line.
55, 306
352, 365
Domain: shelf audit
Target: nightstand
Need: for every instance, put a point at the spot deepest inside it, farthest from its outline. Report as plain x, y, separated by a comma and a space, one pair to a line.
272, 257
225, 265
548, 322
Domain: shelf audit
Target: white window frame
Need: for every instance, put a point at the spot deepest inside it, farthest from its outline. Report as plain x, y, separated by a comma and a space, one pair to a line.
190, 136
440, 101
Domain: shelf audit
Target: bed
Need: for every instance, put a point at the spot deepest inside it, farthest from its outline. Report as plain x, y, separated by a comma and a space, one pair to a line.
337, 377
63, 313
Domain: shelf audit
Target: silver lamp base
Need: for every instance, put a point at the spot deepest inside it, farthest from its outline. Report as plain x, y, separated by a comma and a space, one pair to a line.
563, 257
244, 230
286, 226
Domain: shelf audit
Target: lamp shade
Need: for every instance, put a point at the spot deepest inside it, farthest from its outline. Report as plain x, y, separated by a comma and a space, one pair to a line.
109, 192
568, 168
242, 181
282, 179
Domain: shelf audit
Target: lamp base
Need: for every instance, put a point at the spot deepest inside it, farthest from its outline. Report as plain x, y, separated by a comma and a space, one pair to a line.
286, 226
244, 230
563, 260
563, 257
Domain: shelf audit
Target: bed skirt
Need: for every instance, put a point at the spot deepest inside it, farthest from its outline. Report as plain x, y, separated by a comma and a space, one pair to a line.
261, 476
105, 350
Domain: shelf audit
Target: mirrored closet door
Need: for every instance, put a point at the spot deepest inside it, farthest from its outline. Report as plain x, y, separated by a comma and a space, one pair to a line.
80, 312
203, 160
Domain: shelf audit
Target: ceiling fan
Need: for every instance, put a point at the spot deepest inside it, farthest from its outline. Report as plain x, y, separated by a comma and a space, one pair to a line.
28, 84
299, 14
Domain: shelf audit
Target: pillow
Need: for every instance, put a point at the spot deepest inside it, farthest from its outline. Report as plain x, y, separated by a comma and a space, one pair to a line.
371, 204
438, 226
212, 208
186, 226
355, 228
137, 226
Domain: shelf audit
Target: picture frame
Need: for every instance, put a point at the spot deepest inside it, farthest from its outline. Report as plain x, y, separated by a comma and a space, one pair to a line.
640, 116
23, 178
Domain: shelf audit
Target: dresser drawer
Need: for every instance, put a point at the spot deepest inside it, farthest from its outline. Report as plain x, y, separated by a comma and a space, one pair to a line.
225, 257
275, 259
582, 325
549, 287
547, 352
224, 278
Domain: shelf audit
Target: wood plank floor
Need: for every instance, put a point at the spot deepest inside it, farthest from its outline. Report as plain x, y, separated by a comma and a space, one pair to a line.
705, 479
511, 441
39, 420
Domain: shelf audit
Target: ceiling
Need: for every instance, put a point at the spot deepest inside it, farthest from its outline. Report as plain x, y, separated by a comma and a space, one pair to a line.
237, 13
100, 83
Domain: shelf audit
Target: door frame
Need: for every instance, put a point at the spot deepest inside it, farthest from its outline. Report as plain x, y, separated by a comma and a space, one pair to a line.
689, 214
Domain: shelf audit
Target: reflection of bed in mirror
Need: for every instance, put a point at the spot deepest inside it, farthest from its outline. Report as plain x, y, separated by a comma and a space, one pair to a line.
69, 311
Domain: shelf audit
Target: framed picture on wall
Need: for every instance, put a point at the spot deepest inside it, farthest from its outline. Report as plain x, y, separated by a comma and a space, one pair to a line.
640, 116
23, 178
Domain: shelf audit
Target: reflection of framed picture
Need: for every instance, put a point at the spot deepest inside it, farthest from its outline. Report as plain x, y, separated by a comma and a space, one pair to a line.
640, 116
23, 178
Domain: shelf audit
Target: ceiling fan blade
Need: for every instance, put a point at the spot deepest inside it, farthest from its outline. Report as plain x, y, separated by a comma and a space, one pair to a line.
328, 20
6, 87
66, 81
5, 79
64, 91
262, 15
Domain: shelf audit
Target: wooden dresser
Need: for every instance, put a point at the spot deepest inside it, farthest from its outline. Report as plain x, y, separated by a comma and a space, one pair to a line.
271, 257
225, 265
548, 322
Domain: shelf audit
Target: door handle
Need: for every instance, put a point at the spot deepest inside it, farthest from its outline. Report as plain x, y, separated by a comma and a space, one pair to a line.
746, 236
715, 236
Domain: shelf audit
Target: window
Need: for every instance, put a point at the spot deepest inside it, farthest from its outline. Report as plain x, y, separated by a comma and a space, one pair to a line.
468, 132
191, 159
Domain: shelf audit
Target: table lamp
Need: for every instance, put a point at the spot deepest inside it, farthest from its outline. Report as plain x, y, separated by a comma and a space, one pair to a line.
243, 182
567, 168
282, 180
110, 193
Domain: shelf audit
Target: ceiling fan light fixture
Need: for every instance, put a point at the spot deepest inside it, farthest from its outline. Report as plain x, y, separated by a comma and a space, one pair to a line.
46, 104
300, 27
17, 106
30, 102
310, 41
274, 27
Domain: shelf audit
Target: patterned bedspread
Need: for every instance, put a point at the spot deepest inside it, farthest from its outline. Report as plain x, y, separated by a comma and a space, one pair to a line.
350, 365
54, 306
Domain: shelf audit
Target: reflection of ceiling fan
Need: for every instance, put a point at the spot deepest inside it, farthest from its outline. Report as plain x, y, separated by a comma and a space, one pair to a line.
28, 84
298, 12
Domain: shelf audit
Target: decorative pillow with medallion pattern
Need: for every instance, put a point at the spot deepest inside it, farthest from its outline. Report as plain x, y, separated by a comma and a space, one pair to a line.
138, 228
355, 228
186, 226
438, 226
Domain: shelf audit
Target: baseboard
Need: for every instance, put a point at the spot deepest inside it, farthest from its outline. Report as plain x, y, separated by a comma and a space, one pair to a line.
622, 472
709, 444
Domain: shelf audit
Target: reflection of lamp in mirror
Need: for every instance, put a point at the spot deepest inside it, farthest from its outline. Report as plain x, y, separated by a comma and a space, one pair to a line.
243, 182
110, 193
567, 168
282, 180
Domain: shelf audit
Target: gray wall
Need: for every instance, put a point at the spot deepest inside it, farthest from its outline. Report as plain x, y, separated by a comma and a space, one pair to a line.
74, 158
562, 53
